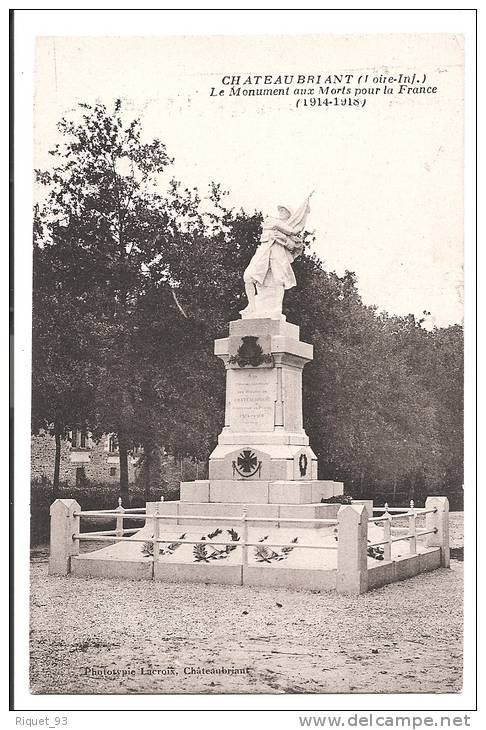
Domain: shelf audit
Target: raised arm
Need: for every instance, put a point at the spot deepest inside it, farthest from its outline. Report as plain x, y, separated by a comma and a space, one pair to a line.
283, 228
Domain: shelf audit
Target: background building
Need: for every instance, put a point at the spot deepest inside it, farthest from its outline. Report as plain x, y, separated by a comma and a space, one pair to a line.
82, 459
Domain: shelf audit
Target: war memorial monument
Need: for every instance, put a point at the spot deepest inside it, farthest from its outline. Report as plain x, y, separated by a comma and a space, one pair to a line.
263, 516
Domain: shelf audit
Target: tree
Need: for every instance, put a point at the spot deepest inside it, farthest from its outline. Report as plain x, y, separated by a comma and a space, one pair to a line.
149, 273
64, 371
374, 394
103, 216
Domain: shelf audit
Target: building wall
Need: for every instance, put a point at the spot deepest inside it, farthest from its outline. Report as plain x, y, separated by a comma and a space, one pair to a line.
99, 464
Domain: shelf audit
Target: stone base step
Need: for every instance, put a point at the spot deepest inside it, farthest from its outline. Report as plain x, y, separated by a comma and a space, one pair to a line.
259, 492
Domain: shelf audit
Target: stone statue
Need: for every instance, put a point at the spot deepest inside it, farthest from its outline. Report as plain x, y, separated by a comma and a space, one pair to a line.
269, 272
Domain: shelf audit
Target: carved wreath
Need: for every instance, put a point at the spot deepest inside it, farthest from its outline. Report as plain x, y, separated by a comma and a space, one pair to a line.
303, 465
250, 353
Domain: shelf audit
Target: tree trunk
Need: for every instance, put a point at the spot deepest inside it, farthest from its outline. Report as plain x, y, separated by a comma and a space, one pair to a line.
361, 481
57, 461
413, 487
148, 474
123, 452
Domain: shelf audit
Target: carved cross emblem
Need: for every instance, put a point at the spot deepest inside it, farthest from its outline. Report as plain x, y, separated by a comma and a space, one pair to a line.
247, 461
247, 464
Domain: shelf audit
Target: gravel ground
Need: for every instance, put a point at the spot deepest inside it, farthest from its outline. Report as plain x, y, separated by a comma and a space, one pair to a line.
405, 637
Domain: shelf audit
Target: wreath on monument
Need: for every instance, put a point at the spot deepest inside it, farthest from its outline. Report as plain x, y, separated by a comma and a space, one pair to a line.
266, 554
250, 353
303, 464
204, 552
376, 551
148, 547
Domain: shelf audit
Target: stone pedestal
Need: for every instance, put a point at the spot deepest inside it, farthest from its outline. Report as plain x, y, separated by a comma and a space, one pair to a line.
263, 454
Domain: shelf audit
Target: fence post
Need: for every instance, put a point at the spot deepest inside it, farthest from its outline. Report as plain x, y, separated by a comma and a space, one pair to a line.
439, 521
412, 527
156, 545
119, 520
387, 547
150, 508
244, 554
63, 526
352, 562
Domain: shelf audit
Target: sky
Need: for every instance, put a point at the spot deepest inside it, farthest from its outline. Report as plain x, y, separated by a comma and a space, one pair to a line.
388, 177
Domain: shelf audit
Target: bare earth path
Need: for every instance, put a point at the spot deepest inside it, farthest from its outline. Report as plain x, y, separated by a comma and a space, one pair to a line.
405, 637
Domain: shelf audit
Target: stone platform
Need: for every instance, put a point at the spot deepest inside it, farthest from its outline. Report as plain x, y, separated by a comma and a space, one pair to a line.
261, 492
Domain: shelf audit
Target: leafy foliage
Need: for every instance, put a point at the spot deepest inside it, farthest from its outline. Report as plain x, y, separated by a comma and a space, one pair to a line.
204, 552
383, 395
129, 292
148, 549
266, 554
376, 552
164, 549
200, 553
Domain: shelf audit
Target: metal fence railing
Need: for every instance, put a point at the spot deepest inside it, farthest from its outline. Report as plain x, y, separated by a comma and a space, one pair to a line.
120, 533
412, 532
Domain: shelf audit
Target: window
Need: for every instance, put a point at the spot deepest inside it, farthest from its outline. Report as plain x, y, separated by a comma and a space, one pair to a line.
112, 471
112, 443
80, 476
79, 439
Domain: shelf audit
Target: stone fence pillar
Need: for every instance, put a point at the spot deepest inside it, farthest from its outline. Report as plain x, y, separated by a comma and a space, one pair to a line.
352, 563
440, 521
150, 509
63, 526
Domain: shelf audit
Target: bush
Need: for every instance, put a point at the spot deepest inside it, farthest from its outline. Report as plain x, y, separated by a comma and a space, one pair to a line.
92, 497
